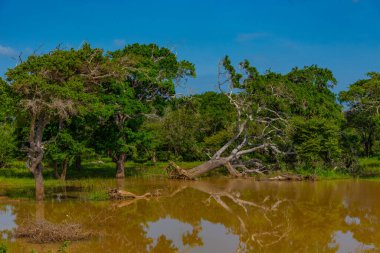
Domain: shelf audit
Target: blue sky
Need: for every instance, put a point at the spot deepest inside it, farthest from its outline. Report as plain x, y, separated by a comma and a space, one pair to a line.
343, 35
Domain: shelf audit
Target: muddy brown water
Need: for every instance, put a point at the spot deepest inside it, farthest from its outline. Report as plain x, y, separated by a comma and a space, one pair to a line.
214, 215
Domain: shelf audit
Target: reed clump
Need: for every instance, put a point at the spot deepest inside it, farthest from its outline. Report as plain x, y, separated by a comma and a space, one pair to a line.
47, 232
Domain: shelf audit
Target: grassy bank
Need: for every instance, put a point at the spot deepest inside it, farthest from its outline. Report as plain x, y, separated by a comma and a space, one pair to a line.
95, 177
103, 168
370, 167
17, 174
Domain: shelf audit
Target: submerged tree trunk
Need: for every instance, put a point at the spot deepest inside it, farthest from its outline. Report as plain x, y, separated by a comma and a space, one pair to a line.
40, 211
120, 167
39, 183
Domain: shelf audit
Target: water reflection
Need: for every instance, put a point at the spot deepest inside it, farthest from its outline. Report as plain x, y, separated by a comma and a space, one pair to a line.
344, 242
7, 221
205, 237
352, 220
218, 216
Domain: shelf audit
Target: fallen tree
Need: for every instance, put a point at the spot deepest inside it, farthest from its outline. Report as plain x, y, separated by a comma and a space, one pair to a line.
260, 124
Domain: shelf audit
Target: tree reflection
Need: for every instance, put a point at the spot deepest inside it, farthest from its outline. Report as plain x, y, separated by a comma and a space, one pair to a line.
234, 215
163, 245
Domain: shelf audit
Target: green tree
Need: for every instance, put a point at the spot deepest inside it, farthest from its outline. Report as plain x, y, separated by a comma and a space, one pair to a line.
51, 88
315, 117
63, 149
363, 114
7, 136
151, 79
316, 141
192, 127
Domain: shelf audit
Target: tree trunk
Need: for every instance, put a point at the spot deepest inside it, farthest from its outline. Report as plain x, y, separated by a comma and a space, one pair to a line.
78, 162
64, 170
370, 145
36, 153
120, 167
40, 211
39, 183
366, 149
154, 158
55, 166
205, 167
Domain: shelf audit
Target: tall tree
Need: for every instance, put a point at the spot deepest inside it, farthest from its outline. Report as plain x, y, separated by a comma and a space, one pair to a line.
51, 88
363, 114
316, 117
151, 79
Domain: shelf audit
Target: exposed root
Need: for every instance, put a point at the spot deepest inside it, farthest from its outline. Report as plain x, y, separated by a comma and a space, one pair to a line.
176, 172
46, 232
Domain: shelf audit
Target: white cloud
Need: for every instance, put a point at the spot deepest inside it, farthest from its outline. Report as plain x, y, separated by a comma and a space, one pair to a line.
246, 37
7, 51
119, 42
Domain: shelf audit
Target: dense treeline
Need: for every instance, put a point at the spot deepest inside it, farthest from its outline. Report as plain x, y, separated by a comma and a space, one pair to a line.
60, 107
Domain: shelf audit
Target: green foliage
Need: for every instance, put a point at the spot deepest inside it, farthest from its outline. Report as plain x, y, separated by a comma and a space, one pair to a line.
65, 147
3, 248
298, 112
155, 70
192, 127
178, 134
7, 143
151, 80
7, 102
363, 114
56, 84
370, 167
63, 248
322, 79
316, 141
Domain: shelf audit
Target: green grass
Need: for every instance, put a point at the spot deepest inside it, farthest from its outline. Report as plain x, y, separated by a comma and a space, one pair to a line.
323, 173
17, 173
93, 179
370, 167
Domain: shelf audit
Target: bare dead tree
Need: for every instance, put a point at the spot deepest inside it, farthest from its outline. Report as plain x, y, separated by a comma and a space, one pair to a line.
257, 126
